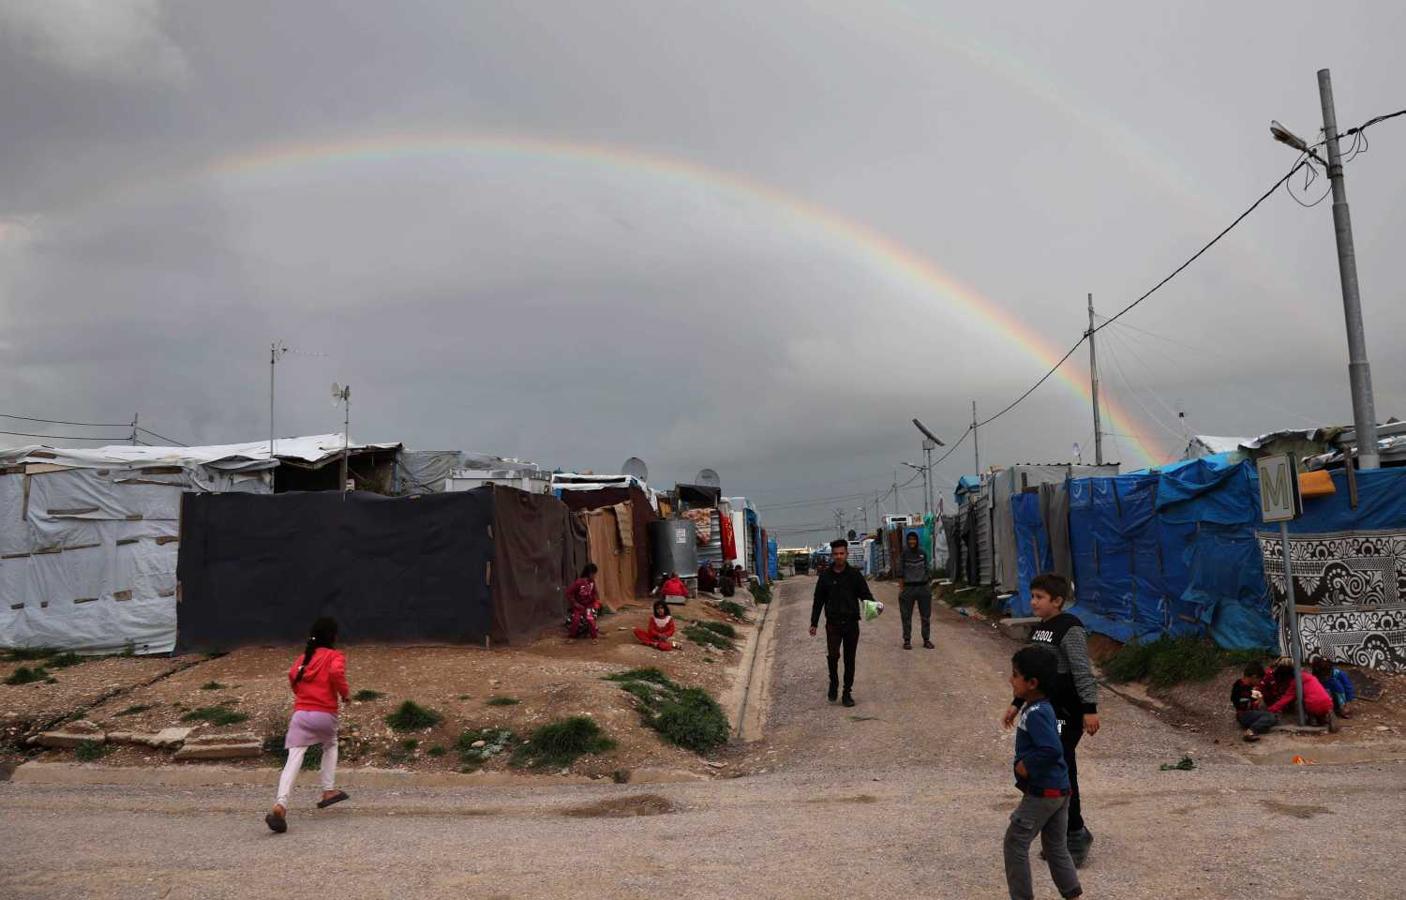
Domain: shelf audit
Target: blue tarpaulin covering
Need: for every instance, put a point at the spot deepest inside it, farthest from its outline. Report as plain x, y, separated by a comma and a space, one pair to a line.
773, 564
1032, 544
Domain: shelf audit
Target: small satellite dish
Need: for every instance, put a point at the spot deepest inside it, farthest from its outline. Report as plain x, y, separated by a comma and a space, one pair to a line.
635, 468
708, 478
340, 393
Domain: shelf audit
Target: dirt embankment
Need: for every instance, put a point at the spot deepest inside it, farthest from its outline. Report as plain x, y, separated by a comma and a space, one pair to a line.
516, 689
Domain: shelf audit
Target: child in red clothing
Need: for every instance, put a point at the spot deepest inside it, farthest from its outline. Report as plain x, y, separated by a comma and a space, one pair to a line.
584, 602
1317, 702
661, 628
319, 681
673, 586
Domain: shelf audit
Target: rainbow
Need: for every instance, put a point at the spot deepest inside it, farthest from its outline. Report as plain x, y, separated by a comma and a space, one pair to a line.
867, 243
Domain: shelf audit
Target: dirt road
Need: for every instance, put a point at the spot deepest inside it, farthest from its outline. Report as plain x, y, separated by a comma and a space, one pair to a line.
904, 795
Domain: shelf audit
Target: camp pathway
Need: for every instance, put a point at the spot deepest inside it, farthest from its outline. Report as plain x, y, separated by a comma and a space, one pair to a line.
907, 794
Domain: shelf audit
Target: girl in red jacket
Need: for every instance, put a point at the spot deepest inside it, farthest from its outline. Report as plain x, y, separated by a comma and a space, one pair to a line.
318, 681
661, 628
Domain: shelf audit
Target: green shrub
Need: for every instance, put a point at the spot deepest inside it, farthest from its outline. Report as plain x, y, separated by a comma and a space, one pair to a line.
366, 696
495, 741
699, 633
503, 701
561, 743
91, 751
732, 608
26, 675
212, 686
436, 751
215, 715
686, 716
64, 660
761, 592
1168, 661
30, 654
411, 716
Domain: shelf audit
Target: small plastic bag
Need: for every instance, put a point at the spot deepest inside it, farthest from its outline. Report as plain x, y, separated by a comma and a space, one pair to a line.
872, 608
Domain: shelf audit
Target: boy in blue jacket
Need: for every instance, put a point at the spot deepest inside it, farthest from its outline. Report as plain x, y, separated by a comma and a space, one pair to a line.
1336, 682
1042, 778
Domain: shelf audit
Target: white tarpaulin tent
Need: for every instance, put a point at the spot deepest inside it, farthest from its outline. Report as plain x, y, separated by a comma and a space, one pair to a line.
89, 537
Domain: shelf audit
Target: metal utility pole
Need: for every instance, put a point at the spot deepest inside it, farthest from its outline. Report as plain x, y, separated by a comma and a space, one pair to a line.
976, 444
1359, 371
276, 349
342, 393
1093, 383
134, 428
927, 475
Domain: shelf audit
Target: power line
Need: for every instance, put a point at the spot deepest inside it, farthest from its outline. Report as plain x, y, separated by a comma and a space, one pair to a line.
163, 437
63, 422
67, 437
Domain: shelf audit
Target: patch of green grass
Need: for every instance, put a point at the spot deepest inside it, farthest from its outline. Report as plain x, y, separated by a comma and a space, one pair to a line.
215, 715
410, 745
711, 634
732, 608
761, 592
26, 675
686, 716
30, 654
213, 686
503, 701
64, 660
436, 751
91, 751
366, 696
979, 597
1168, 661
312, 758
411, 716
493, 742
561, 743
134, 710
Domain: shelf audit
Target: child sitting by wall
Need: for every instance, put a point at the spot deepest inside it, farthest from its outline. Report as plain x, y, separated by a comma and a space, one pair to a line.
1338, 685
1248, 701
660, 631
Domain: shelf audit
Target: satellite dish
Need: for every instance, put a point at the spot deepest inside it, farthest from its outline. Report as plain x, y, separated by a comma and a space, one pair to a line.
708, 478
340, 393
635, 468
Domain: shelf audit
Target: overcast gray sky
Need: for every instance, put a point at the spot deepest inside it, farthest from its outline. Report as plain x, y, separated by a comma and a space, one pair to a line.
757, 236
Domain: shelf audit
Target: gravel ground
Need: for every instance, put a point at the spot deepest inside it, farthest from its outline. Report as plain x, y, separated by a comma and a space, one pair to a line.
905, 795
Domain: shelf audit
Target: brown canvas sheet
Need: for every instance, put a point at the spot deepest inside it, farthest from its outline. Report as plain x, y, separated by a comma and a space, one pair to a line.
641, 515
533, 549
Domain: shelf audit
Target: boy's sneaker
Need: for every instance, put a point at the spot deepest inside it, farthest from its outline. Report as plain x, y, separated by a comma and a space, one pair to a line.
833, 692
929, 645
848, 700
1079, 844
907, 645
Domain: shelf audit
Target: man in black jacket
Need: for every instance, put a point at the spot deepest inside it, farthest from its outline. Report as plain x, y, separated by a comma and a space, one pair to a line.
838, 592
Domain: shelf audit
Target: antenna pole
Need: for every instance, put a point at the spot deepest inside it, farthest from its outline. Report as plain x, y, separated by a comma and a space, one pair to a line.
134, 429
1093, 387
273, 361
346, 434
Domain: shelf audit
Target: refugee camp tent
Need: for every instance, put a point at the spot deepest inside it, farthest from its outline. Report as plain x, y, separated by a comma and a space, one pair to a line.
1012, 481
613, 546
89, 537
581, 495
1349, 570
457, 567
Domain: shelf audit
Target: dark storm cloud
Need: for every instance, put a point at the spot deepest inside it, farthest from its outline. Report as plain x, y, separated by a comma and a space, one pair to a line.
578, 313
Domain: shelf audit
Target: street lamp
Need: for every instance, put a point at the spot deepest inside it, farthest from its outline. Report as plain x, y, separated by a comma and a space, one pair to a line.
1359, 371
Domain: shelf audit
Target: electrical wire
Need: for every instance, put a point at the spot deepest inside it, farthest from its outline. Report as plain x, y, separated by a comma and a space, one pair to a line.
66, 437
171, 441
64, 422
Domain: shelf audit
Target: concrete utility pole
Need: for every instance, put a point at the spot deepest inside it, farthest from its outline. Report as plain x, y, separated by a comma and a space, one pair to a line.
1093, 382
976, 445
1359, 371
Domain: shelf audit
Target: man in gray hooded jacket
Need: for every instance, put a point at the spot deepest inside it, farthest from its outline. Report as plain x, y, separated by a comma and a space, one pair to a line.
913, 565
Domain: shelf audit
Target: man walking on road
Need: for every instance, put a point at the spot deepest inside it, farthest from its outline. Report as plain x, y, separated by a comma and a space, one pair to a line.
914, 566
838, 592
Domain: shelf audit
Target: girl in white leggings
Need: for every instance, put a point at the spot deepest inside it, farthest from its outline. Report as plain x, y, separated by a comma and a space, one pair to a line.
319, 682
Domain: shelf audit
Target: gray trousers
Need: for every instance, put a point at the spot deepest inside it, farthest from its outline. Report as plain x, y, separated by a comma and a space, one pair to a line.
1049, 818
922, 595
1257, 720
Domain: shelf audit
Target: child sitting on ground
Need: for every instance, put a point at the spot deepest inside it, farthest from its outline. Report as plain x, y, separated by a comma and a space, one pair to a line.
1338, 685
584, 602
660, 632
1042, 778
1248, 701
1317, 704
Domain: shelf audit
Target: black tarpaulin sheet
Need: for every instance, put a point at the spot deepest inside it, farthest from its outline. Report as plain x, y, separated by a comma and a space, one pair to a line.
259, 569
534, 550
